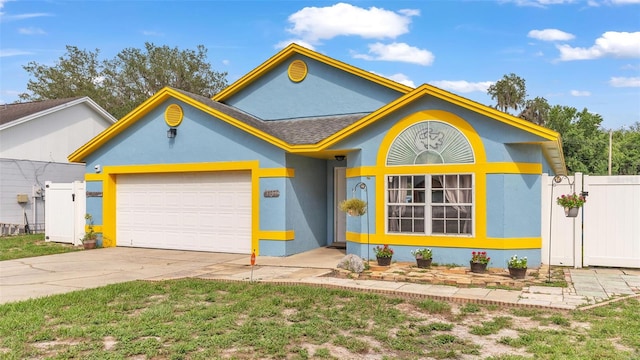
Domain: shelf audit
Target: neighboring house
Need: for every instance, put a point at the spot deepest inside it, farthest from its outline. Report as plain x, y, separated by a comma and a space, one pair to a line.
264, 164
35, 140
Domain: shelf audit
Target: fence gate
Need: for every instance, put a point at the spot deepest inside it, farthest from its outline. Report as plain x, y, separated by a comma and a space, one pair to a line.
65, 207
607, 230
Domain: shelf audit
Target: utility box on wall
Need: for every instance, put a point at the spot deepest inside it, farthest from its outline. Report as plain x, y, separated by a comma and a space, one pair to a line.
23, 198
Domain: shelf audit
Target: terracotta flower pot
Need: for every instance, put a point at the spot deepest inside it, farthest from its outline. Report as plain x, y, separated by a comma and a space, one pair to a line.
424, 263
384, 261
518, 273
478, 268
89, 244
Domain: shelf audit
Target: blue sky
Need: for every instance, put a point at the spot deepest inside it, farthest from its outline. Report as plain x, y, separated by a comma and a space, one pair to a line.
574, 53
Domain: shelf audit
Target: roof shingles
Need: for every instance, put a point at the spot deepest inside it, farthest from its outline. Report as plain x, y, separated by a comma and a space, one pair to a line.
301, 131
12, 112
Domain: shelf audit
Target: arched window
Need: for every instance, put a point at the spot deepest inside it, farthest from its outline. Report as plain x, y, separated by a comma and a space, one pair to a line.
430, 142
424, 202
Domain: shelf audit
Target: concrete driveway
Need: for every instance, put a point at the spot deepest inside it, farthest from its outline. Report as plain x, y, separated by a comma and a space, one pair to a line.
22, 279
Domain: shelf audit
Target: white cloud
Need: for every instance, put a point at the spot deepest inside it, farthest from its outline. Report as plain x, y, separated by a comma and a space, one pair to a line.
13, 52
625, 81
580, 93
31, 31
539, 3
462, 86
625, 2
611, 43
226, 62
314, 24
402, 79
22, 16
631, 67
550, 35
397, 52
283, 44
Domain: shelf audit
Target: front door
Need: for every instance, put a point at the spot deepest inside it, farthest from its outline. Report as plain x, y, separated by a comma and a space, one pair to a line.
340, 194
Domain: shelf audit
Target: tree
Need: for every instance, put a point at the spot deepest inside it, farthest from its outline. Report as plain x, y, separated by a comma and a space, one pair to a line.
509, 92
122, 83
584, 144
626, 151
536, 111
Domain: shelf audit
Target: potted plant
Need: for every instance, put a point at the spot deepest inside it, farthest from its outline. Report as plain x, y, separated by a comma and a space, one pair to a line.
423, 257
383, 255
90, 237
571, 203
479, 261
517, 267
354, 206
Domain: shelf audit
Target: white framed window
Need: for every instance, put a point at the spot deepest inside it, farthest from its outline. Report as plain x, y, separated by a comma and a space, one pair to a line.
430, 204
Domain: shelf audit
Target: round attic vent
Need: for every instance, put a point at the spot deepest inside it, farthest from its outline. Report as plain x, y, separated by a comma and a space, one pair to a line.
297, 71
173, 115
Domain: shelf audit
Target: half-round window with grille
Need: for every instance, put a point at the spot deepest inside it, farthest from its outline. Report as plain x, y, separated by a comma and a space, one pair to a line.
430, 142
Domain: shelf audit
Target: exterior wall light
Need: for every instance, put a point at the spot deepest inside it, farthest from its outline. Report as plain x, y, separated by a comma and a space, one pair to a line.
172, 132
339, 157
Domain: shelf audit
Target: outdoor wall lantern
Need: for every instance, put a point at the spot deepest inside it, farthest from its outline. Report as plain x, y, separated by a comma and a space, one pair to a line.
339, 157
172, 132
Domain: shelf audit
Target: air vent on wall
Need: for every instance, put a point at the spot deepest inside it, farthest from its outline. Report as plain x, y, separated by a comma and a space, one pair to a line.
173, 115
297, 71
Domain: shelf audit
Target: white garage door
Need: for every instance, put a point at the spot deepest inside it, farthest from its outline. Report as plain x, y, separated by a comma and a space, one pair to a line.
188, 211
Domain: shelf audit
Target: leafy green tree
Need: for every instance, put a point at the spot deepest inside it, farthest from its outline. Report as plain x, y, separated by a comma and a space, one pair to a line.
536, 111
509, 92
626, 151
124, 82
584, 143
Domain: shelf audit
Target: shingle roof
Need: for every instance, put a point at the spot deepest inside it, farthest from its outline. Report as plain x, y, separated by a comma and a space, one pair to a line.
300, 131
11, 112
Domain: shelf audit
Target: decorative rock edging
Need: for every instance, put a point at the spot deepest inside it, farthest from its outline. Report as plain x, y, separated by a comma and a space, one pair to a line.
441, 275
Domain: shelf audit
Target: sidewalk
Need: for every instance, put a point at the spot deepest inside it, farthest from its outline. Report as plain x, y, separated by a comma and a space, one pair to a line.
317, 268
42, 276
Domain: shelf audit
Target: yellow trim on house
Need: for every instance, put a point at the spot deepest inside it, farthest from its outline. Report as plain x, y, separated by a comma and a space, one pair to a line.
286, 235
276, 172
96, 228
294, 49
109, 179
447, 241
93, 177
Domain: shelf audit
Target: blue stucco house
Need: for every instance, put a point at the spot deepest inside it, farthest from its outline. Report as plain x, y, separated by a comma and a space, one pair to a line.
263, 165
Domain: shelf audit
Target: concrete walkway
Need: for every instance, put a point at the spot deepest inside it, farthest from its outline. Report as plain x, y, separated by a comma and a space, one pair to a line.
47, 275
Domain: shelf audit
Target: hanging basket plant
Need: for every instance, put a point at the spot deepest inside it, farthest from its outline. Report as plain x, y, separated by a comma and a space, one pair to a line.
354, 207
571, 203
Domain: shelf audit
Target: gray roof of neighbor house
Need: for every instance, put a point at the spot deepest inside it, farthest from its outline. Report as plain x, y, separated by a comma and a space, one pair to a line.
299, 131
18, 113
11, 112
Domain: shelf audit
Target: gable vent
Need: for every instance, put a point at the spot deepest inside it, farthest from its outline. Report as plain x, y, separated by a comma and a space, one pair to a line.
297, 71
173, 115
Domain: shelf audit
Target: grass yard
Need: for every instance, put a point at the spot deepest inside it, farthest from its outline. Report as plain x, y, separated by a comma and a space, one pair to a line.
23, 246
200, 319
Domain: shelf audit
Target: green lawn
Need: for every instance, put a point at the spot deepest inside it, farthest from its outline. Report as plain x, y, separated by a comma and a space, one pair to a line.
200, 319
23, 246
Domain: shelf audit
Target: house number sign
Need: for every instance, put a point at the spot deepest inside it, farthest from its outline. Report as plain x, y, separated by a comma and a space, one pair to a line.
272, 193
94, 193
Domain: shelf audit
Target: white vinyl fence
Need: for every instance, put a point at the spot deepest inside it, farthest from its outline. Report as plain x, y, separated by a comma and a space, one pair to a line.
607, 229
65, 205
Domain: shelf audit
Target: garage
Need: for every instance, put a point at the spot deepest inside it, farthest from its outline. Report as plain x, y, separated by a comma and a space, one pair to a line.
200, 211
